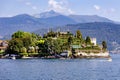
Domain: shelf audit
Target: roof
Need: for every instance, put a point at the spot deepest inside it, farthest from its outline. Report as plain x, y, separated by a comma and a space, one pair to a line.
63, 32
1, 41
2, 47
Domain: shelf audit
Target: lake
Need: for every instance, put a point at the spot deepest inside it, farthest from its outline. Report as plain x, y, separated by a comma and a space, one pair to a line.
56, 69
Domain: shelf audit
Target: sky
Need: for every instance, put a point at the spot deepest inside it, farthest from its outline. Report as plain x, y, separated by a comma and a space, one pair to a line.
105, 8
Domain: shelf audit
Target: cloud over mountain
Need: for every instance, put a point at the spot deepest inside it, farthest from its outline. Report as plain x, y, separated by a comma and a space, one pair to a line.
60, 6
97, 7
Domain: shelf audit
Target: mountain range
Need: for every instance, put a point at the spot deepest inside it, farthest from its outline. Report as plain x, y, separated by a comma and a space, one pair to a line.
48, 19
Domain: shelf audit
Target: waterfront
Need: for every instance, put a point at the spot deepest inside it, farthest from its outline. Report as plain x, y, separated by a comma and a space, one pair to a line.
56, 69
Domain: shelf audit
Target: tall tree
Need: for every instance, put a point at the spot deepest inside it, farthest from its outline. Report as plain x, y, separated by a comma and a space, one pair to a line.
70, 40
88, 40
51, 34
78, 34
104, 44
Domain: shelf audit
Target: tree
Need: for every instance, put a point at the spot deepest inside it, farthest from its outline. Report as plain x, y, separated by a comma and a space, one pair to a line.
27, 42
88, 40
23, 50
15, 45
21, 41
56, 46
21, 34
43, 47
78, 34
18, 34
104, 44
70, 40
51, 34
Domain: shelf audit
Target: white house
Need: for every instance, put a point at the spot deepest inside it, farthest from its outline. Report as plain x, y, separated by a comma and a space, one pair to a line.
94, 41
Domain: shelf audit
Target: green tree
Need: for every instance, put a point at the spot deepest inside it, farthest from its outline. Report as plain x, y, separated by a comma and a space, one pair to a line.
22, 40
51, 34
56, 46
23, 50
104, 44
27, 42
15, 45
78, 34
43, 47
70, 40
18, 34
88, 40
21, 34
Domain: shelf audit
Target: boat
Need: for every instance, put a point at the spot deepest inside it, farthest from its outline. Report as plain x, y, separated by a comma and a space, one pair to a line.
110, 59
13, 57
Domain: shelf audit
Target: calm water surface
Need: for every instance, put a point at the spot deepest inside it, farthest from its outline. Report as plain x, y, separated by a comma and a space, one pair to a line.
55, 69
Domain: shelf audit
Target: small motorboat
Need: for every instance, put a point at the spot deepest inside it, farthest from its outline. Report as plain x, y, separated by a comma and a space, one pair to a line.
13, 57
110, 59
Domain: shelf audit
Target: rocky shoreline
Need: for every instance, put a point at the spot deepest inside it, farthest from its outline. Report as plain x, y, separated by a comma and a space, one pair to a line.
73, 56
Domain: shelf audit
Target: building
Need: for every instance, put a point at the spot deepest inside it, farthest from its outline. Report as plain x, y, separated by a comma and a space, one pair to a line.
61, 34
3, 45
94, 41
64, 34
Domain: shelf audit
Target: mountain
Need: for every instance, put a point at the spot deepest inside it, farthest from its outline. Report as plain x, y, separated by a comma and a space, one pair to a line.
59, 20
54, 18
25, 22
9, 25
19, 19
89, 18
100, 30
47, 14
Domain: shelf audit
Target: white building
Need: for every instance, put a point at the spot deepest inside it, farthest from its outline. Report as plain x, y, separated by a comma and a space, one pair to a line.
94, 41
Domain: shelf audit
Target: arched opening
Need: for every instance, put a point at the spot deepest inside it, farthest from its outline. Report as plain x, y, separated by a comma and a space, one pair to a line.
80, 54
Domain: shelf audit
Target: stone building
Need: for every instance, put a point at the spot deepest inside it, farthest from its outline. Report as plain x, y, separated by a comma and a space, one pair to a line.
94, 41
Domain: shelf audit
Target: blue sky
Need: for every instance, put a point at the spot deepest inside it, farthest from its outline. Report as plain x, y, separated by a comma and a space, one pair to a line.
105, 8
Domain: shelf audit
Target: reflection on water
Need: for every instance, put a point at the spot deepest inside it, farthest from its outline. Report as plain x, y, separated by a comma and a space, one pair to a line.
55, 69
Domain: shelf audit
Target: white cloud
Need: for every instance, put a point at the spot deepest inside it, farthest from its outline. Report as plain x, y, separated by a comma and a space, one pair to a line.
97, 7
60, 6
34, 7
28, 3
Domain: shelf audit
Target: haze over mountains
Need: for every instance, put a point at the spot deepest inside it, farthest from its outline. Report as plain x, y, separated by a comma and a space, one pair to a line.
91, 25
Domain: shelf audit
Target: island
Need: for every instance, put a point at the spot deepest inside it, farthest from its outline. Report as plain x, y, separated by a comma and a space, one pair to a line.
52, 45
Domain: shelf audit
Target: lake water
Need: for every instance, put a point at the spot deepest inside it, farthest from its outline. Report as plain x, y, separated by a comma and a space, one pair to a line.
55, 69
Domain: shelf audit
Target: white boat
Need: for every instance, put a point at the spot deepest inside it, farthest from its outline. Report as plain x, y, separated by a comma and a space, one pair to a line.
13, 57
110, 59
